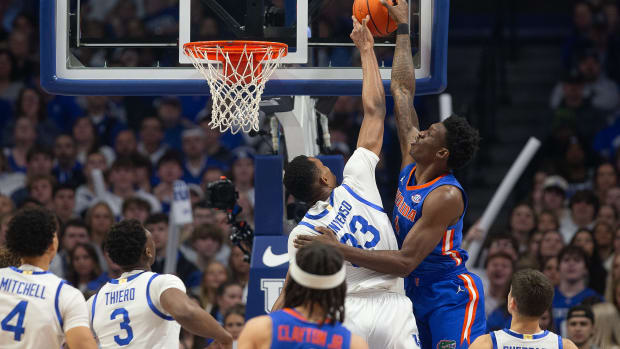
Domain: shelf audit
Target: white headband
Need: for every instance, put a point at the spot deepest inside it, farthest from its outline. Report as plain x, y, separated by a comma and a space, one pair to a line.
317, 282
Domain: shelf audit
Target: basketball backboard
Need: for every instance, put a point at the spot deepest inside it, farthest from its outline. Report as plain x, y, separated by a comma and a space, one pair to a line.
85, 51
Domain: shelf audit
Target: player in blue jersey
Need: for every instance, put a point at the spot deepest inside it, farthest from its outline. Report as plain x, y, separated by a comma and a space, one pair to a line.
313, 307
448, 301
530, 297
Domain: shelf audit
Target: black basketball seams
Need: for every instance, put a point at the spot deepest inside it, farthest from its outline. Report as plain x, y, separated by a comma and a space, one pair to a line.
373, 22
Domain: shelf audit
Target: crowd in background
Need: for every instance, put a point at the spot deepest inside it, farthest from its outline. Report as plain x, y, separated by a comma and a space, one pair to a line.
55, 147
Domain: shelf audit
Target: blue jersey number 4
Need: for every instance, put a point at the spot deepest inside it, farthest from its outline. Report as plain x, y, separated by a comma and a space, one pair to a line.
124, 326
18, 328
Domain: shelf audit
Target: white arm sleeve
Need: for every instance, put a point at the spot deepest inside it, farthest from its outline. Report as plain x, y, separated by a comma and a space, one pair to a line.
359, 175
72, 308
298, 230
160, 284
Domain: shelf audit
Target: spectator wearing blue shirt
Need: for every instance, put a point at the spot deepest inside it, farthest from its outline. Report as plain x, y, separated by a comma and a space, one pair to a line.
169, 112
196, 161
572, 289
67, 169
169, 169
151, 139
107, 123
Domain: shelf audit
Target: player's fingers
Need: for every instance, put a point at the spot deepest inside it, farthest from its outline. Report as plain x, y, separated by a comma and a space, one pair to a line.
324, 230
365, 20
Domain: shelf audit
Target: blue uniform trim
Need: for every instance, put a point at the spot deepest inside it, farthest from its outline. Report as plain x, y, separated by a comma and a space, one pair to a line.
318, 216
520, 336
56, 302
494, 340
92, 315
150, 302
361, 199
116, 281
560, 343
331, 199
33, 272
307, 225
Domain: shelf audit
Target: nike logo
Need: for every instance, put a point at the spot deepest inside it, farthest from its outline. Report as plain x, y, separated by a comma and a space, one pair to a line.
273, 260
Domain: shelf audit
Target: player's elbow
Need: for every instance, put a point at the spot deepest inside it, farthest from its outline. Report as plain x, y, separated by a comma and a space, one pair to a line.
401, 89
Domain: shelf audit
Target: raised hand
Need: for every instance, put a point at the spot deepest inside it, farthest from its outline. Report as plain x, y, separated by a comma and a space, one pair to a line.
399, 12
361, 35
327, 237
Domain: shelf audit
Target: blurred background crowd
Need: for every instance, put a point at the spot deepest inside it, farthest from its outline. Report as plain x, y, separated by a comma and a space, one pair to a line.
564, 220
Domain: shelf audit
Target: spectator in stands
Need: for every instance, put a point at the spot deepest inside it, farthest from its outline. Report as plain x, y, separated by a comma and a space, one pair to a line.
240, 270
580, 327
85, 194
613, 278
87, 141
67, 169
213, 145
212, 174
125, 143
4, 225
215, 274
596, 273
196, 160
122, 181
547, 220
604, 238
243, 172
547, 323
583, 210
72, 233
582, 24
207, 243
31, 104
522, 223
550, 267
9, 86
6, 205
136, 208
499, 269
142, 170
64, 202
151, 137
169, 169
41, 189
99, 219
9, 181
19, 45
107, 123
169, 112
24, 137
574, 166
84, 268
607, 214
572, 289
613, 198
551, 244
227, 296
605, 179
39, 162
157, 224
554, 195
234, 320
598, 88
607, 329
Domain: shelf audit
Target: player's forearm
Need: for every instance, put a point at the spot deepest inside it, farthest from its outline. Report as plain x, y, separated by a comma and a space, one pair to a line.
201, 323
384, 261
373, 94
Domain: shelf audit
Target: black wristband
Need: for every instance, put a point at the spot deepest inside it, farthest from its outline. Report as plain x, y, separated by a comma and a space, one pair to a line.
403, 28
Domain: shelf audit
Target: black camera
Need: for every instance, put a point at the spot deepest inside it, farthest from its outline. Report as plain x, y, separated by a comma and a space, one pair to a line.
222, 195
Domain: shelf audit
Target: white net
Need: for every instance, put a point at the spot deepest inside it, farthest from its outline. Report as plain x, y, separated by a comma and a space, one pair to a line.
237, 81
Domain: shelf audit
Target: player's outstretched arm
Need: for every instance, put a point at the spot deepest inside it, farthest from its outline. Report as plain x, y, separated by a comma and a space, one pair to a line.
482, 342
358, 342
192, 317
373, 94
442, 208
279, 303
568, 344
256, 334
80, 338
403, 83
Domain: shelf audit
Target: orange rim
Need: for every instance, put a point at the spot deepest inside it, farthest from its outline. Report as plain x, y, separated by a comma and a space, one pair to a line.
236, 47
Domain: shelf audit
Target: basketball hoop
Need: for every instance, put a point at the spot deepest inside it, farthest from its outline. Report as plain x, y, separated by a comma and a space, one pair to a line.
236, 72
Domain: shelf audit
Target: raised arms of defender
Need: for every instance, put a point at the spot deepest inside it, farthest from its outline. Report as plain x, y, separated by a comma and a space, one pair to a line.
403, 84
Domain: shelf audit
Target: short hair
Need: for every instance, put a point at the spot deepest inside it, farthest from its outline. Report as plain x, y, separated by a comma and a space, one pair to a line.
40, 177
63, 186
300, 176
170, 156
38, 150
502, 236
134, 200
572, 250
75, 222
124, 162
500, 255
125, 242
318, 259
208, 231
532, 291
586, 196
461, 140
156, 219
238, 309
141, 161
31, 232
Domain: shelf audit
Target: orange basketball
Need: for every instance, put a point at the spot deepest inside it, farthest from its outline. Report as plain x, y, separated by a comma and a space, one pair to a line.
380, 23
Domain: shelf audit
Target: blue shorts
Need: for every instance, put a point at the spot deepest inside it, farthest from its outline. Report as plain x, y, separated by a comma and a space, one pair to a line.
449, 310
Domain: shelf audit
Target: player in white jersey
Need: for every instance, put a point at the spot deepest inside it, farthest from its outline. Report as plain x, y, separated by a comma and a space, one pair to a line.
531, 294
37, 308
376, 306
142, 309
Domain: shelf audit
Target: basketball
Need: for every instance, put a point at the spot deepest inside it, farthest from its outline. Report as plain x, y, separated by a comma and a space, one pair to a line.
380, 23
